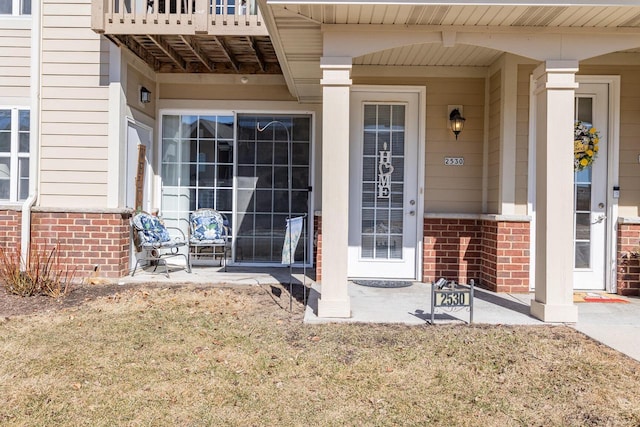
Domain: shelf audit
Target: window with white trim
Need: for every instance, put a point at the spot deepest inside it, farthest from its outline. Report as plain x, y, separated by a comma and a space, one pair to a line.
14, 154
15, 7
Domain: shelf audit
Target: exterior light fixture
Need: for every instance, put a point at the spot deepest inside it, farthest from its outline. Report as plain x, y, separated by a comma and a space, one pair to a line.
456, 121
145, 95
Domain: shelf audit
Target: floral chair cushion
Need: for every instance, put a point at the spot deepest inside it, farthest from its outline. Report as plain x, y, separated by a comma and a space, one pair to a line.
150, 229
207, 225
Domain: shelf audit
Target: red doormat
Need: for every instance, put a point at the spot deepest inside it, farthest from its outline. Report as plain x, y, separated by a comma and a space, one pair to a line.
598, 297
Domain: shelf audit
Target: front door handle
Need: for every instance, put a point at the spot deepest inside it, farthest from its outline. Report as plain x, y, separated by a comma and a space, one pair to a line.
599, 219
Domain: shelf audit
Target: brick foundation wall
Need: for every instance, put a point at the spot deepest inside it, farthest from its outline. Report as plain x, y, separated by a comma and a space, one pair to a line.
505, 256
628, 277
10, 221
494, 253
451, 249
85, 239
317, 247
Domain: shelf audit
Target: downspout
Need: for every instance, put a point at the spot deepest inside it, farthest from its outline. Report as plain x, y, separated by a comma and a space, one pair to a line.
34, 137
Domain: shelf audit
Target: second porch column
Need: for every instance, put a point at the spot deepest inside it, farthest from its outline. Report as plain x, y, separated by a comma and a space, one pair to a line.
336, 85
554, 92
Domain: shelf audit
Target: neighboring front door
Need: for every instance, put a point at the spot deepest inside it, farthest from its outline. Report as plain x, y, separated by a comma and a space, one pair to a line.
137, 185
590, 192
138, 178
383, 185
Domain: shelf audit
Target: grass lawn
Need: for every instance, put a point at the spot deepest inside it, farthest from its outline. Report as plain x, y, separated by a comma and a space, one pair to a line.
196, 356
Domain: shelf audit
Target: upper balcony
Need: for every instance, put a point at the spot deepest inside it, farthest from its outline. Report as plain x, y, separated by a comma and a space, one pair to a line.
192, 36
178, 17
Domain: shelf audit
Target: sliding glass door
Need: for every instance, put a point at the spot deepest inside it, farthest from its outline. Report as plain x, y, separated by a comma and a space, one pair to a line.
224, 162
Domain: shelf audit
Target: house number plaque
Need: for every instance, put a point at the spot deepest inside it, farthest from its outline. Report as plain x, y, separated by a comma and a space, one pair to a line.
385, 169
454, 161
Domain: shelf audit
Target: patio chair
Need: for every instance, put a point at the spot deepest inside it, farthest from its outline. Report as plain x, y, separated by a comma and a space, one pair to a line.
208, 235
154, 243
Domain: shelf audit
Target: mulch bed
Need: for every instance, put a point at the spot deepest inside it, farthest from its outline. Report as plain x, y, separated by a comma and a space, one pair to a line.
14, 305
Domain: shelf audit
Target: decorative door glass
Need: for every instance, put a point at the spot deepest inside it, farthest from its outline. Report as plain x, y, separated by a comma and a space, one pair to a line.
382, 181
583, 194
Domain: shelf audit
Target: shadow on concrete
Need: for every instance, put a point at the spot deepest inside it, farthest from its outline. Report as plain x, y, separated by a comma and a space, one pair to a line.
492, 298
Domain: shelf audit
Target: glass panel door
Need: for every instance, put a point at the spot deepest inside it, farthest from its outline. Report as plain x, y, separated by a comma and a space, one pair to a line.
582, 193
197, 166
382, 181
383, 184
262, 193
590, 188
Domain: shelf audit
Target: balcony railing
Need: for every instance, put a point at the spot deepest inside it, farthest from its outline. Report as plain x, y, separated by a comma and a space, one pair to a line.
177, 17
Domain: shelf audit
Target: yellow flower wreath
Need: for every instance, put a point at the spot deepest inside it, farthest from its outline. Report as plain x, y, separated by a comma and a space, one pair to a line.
585, 145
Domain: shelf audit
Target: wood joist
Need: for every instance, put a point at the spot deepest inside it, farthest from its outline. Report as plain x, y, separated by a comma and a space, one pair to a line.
203, 53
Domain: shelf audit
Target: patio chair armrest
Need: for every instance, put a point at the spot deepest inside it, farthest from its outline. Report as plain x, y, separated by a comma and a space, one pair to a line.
181, 236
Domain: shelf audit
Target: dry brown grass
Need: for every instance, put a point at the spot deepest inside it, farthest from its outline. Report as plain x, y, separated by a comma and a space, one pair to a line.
221, 356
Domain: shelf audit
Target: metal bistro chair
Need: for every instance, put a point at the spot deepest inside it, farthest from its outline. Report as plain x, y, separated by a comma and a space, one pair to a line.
154, 243
208, 235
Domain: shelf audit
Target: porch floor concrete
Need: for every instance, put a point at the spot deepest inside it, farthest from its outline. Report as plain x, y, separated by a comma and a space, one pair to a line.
613, 324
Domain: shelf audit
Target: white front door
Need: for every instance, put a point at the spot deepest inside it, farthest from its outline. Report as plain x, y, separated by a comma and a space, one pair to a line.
383, 184
590, 192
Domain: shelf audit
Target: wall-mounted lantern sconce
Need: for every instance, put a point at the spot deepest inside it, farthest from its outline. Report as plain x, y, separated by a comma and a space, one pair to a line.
456, 121
145, 95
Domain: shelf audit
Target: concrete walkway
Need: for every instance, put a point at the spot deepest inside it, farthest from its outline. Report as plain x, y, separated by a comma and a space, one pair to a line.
615, 325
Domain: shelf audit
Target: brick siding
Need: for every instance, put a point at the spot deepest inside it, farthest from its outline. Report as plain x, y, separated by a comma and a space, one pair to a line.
85, 239
505, 256
493, 253
451, 249
10, 221
317, 247
628, 277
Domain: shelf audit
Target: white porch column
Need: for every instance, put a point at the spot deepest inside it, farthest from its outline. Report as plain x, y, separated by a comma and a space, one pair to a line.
336, 84
554, 91
508, 134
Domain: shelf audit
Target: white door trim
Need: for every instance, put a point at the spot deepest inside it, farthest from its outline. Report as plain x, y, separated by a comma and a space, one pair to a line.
148, 174
612, 176
421, 91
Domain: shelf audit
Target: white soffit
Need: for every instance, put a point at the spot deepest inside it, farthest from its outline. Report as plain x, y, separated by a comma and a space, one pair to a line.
297, 27
561, 15
432, 54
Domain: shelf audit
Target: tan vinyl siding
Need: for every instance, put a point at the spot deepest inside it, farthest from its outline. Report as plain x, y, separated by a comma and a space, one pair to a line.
522, 139
493, 165
218, 92
449, 189
75, 86
15, 63
135, 81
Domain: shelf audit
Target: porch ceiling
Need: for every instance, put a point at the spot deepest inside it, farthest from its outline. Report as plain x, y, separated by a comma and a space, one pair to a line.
544, 15
202, 53
297, 27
